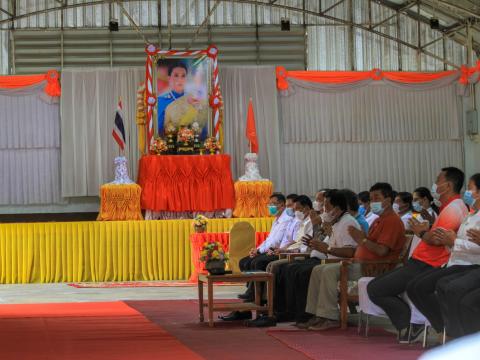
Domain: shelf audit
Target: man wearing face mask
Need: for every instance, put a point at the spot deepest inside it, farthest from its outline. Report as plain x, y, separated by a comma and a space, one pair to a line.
430, 253
384, 241
274, 240
428, 290
364, 208
403, 207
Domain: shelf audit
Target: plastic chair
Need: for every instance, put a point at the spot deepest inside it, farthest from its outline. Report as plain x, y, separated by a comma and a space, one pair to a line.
242, 240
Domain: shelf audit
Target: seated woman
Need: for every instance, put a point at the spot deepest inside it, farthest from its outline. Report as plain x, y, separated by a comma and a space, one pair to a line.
403, 207
424, 206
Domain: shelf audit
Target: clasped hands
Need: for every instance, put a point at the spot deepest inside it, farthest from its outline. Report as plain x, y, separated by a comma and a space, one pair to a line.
315, 244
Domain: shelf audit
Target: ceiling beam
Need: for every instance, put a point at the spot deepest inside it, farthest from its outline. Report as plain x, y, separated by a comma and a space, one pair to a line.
6, 12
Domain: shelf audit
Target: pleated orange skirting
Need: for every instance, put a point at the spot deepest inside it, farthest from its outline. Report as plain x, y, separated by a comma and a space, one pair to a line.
252, 198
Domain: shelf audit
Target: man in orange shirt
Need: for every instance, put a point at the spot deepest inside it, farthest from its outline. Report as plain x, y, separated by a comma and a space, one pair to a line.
384, 291
385, 240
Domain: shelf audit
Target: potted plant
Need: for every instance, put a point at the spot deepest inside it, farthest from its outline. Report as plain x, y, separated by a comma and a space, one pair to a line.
214, 257
158, 146
200, 224
212, 145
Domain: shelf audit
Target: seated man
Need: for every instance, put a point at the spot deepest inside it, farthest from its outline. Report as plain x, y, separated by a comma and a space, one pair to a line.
385, 240
279, 236
294, 277
431, 253
364, 209
353, 207
402, 205
464, 257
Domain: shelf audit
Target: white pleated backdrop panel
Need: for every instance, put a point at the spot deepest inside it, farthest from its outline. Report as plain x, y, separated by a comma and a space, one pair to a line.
377, 133
29, 150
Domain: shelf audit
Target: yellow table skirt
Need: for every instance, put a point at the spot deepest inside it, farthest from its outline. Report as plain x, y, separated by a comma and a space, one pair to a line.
102, 251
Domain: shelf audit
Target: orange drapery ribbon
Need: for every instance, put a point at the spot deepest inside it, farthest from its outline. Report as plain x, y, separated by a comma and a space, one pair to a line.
345, 77
52, 88
186, 182
197, 241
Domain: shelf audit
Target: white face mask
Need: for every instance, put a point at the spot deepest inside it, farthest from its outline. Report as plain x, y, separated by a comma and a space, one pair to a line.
396, 208
327, 217
300, 215
317, 206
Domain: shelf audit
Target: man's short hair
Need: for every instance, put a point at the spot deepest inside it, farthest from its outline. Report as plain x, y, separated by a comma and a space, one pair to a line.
455, 176
406, 198
304, 200
176, 64
351, 198
476, 180
337, 198
292, 197
364, 196
279, 197
385, 189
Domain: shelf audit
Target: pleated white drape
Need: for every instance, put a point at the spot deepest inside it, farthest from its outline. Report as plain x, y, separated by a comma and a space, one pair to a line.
353, 138
88, 104
29, 148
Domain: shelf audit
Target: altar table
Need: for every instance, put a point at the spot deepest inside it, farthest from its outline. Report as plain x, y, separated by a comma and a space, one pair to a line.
195, 183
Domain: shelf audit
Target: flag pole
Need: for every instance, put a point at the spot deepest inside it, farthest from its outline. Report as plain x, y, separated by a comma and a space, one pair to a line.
250, 143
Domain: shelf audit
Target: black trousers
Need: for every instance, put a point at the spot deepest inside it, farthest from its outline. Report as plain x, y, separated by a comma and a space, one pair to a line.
470, 312
422, 293
385, 291
451, 291
259, 262
292, 289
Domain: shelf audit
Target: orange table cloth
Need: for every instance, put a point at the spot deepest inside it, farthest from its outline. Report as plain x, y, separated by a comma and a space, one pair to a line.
252, 198
197, 240
186, 183
120, 202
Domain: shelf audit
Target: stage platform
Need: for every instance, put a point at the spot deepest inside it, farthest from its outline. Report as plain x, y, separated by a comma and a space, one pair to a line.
102, 251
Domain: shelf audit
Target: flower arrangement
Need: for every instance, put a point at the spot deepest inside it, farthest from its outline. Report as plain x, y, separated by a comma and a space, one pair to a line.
200, 221
185, 135
170, 129
212, 145
158, 146
212, 251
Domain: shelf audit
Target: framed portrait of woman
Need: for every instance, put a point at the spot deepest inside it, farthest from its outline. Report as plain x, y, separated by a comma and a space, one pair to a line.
183, 86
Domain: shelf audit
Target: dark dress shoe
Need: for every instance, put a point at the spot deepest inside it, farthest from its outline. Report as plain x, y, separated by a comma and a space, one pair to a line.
237, 315
262, 321
246, 296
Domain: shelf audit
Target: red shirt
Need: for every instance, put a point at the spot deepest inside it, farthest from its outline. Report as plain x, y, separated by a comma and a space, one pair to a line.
387, 230
451, 216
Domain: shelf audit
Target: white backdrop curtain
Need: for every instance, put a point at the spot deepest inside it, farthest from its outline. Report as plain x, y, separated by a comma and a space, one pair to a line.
356, 137
238, 84
29, 148
88, 104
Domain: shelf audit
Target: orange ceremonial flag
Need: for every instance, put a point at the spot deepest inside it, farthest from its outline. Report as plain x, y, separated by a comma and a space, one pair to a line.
251, 131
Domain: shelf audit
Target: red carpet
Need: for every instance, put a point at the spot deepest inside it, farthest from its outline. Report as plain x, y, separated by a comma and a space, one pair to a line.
134, 284
347, 345
80, 331
233, 341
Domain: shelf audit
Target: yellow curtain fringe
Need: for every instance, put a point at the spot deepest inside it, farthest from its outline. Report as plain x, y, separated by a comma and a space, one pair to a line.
102, 250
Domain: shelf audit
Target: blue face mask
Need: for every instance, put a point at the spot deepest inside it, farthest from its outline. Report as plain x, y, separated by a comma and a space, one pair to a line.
361, 210
416, 206
376, 208
468, 198
272, 210
290, 212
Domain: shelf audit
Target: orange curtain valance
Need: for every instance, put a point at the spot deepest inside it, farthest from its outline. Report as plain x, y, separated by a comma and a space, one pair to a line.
465, 75
52, 88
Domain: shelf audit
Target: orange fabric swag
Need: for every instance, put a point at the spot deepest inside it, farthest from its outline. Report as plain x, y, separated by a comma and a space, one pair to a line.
186, 182
20, 81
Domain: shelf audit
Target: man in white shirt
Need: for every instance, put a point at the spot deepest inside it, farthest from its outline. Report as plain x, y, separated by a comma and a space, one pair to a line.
295, 276
432, 288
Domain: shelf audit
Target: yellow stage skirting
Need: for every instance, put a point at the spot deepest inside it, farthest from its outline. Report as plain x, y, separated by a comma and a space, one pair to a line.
102, 251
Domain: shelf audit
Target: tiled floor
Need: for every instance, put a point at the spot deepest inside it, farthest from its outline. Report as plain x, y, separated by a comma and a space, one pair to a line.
51, 293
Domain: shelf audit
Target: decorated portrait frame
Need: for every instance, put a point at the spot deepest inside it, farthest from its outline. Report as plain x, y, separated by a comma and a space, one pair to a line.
214, 97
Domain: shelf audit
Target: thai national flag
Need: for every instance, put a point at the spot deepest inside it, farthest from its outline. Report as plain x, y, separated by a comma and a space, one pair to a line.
118, 131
